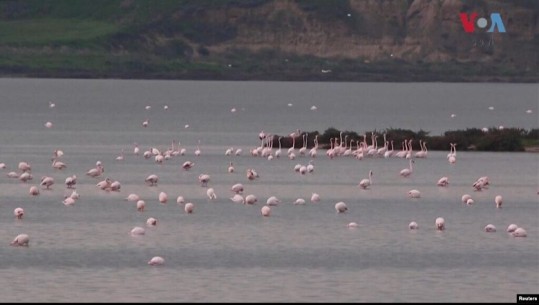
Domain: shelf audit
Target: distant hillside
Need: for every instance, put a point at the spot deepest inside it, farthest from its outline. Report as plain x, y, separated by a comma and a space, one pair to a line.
337, 40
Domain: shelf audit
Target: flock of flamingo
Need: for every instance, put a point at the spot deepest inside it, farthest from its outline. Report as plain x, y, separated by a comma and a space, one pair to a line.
339, 148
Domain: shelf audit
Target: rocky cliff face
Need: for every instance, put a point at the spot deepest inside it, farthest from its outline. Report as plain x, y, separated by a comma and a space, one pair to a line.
373, 30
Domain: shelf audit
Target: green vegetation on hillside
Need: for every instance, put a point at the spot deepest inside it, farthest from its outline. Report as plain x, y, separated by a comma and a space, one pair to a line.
194, 39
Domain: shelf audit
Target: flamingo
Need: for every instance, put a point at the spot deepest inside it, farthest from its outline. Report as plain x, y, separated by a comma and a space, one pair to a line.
490, 228
315, 197
265, 211
2, 165
12, 175
115, 186
136, 149
25, 166
74, 195
452, 156
407, 171
251, 174
211, 193
273, 201
21, 240
251, 199
189, 208
198, 151
48, 125
230, 167
414, 194
481, 183
465, 198
365, 183
47, 182
163, 197
389, 153
341, 207
204, 179
58, 164
104, 184
156, 261
352, 225
140, 205
25, 177
444, 181
120, 157
313, 151
69, 201
310, 166
423, 152
18, 212
470, 201
440, 224
132, 197
95, 172
138, 231
151, 222
511, 228
34, 191
299, 201
145, 123
519, 232
180, 200
152, 179
238, 152
278, 152
303, 149
71, 181
187, 165
413, 225
237, 198
237, 188
498, 200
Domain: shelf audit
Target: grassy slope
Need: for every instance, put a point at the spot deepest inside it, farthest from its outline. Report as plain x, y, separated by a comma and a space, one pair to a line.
128, 38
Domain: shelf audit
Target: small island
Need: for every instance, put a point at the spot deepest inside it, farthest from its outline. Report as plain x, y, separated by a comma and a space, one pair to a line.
471, 139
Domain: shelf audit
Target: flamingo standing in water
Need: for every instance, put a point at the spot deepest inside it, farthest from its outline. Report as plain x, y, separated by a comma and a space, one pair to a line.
71, 181
444, 181
34, 191
498, 200
189, 208
407, 171
341, 207
140, 205
21, 240
230, 167
152, 180
278, 152
365, 183
204, 179
265, 211
250, 199
47, 182
156, 261
452, 156
211, 193
440, 224
18, 212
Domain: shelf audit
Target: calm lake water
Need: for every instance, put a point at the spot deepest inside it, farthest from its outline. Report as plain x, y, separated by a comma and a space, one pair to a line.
228, 252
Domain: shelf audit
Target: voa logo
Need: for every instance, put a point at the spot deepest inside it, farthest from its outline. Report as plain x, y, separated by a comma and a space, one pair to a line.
469, 21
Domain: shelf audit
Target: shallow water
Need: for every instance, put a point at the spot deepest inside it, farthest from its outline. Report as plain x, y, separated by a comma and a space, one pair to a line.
226, 252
